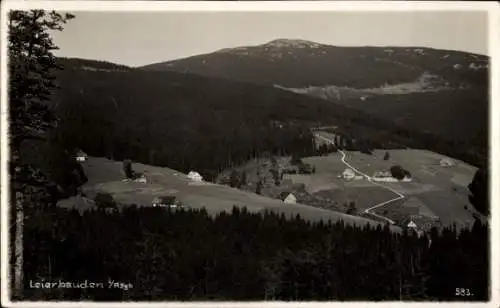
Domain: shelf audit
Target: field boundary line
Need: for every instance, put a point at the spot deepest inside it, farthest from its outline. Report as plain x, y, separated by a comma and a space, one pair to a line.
370, 179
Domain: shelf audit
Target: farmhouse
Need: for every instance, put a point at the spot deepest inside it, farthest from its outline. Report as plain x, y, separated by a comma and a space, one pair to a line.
81, 156
348, 174
287, 197
386, 176
165, 201
195, 176
413, 228
382, 174
411, 224
141, 179
446, 162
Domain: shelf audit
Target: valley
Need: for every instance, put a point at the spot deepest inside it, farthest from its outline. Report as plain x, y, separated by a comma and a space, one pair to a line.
106, 176
247, 165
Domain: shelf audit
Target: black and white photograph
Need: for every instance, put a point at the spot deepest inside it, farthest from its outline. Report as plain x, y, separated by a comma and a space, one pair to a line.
247, 152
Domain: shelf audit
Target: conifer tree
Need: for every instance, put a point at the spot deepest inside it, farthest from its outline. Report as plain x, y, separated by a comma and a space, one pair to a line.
31, 67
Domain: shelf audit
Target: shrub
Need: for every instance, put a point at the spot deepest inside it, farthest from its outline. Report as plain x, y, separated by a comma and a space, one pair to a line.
104, 200
399, 173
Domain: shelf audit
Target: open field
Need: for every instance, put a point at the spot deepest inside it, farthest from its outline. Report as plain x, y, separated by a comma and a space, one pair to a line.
106, 176
423, 165
363, 197
442, 189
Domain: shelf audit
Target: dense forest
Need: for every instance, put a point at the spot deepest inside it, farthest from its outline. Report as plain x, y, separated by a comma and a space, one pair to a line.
178, 120
189, 255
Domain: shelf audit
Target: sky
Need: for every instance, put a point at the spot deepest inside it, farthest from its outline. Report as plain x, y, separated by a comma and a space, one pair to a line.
140, 38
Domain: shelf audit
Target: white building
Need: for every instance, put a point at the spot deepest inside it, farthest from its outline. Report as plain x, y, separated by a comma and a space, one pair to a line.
446, 162
386, 176
290, 199
411, 224
195, 176
287, 197
141, 179
81, 156
348, 174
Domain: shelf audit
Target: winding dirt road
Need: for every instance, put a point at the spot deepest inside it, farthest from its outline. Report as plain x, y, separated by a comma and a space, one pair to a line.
369, 178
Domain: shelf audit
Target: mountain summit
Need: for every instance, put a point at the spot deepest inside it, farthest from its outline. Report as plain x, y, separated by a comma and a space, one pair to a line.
295, 43
414, 87
298, 63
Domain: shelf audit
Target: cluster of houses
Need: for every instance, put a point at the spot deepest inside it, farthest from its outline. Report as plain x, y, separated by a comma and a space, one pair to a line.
386, 176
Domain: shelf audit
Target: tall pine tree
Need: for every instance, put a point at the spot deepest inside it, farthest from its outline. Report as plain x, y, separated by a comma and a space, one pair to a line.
31, 66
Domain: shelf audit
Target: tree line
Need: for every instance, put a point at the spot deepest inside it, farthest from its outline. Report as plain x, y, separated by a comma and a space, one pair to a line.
191, 255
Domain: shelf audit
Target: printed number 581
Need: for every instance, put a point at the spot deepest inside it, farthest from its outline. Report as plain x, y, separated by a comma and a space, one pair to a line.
462, 292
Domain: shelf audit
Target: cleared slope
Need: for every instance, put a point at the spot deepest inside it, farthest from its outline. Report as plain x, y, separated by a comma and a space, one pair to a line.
106, 176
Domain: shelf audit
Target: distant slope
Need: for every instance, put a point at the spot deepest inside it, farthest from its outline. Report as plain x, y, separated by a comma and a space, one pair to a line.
298, 63
455, 115
92, 65
188, 121
106, 176
439, 92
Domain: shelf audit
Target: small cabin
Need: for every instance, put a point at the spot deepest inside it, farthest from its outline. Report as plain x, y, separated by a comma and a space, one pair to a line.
348, 174
412, 225
287, 197
195, 176
446, 162
81, 156
141, 179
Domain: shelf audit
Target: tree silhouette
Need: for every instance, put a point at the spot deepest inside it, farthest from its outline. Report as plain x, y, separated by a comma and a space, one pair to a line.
253, 256
127, 168
352, 208
243, 179
399, 173
234, 179
31, 81
258, 189
104, 200
479, 194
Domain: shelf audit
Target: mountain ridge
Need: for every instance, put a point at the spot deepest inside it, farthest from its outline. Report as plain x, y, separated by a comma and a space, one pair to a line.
301, 57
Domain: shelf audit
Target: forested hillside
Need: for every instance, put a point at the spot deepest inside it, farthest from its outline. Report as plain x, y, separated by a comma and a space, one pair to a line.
178, 120
189, 255
299, 63
439, 93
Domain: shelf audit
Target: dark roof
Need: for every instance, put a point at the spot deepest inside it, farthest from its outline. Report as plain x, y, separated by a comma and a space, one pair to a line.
284, 194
